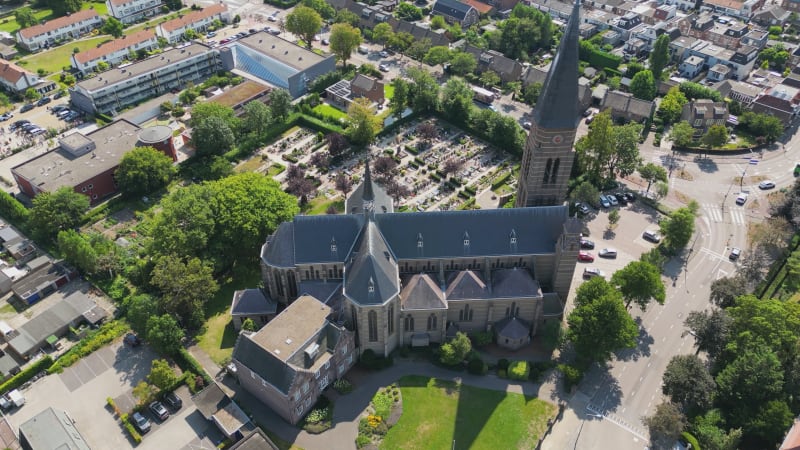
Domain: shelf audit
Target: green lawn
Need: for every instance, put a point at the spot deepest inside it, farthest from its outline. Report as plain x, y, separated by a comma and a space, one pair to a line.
388, 91
437, 412
219, 336
56, 59
328, 110
10, 25
319, 205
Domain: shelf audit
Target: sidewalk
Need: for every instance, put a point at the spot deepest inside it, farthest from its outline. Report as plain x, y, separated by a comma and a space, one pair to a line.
349, 408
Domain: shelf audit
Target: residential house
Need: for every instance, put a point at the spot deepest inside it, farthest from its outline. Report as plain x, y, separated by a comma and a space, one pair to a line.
683, 5
455, 11
744, 93
130, 11
508, 69
54, 31
344, 92
114, 52
718, 73
198, 21
253, 304
704, 113
633, 48
17, 80
293, 358
628, 25
791, 5
679, 48
755, 38
742, 9
741, 60
256, 440
51, 429
538, 75
587, 30
691, 66
781, 101
482, 8
218, 408
623, 105
774, 15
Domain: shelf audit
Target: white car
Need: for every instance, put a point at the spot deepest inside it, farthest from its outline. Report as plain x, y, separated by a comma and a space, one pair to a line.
591, 272
767, 184
384, 54
608, 253
383, 68
741, 198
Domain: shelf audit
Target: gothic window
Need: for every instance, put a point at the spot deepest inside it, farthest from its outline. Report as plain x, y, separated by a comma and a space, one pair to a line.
514, 310
391, 320
465, 315
432, 322
372, 322
409, 323
547, 168
554, 174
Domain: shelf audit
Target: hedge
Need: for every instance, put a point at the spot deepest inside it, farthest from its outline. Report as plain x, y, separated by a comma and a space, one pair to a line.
519, 370
28, 373
691, 440
130, 429
501, 181
319, 125
11, 209
93, 341
186, 362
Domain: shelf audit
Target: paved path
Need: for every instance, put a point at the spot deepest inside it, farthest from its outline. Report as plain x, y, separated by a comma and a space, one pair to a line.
349, 407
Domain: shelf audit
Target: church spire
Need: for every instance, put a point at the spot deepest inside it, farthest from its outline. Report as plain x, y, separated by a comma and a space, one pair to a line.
368, 195
557, 106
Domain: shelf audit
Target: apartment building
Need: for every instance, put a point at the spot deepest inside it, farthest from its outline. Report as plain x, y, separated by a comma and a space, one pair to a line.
116, 89
18, 80
174, 30
114, 52
51, 32
129, 11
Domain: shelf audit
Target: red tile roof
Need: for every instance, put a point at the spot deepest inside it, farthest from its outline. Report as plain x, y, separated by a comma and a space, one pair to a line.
55, 24
192, 17
115, 45
482, 8
10, 71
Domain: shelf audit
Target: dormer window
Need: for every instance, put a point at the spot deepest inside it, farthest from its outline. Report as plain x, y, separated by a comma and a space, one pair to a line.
419, 240
371, 286
333, 245
466, 239
513, 237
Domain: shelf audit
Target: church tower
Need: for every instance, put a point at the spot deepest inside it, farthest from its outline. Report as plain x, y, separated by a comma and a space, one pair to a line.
547, 159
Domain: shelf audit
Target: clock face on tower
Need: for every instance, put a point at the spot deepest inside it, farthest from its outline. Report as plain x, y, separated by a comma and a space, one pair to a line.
557, 139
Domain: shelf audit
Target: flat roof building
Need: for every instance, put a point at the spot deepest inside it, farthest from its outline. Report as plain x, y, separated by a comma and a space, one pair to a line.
51, 429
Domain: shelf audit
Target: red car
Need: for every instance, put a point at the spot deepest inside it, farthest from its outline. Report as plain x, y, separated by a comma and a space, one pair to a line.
585, 257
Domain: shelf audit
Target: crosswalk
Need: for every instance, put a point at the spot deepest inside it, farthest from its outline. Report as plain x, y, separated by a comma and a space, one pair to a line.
716, 214
617, 420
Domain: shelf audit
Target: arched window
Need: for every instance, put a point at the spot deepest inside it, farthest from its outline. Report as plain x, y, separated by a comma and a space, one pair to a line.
547, 167
372, 322
409, 323
432, 322
465, 315
391, 320
554, 173
514, 310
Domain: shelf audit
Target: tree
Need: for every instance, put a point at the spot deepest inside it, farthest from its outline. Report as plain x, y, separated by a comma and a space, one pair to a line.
323, 8
688, 383
438, 22
102, 66
113, 27
382, 32
304, 23
336, 143
347, 16
775, 56
457, 100
400, 41
678, 229
640, 282
161, 375
633, 68
672, 105
752, 379
585, 192
716, 136
280, 103
56, 211
613, 218
63, 7
427, 131
185, 287
758, 124
344, 39
770, 423
665, 426
138, 310
439, 54
384, 167
600, 327
711, 331
462, 63
489, 78
185, 224
707, 429
249, 325
175, 5
596, 148
343, 183
626, 158
408, 12
659, 57
206, 110
77, 250
530, 93
25, 17
694, 91
725, 290
257, 118
212, 136
32, 95
143, 392
424, 93
452, 165
144, 170
682, 134
164, 334
651, 173
593, 289
643, 85
363, 122
456, 350
400, 100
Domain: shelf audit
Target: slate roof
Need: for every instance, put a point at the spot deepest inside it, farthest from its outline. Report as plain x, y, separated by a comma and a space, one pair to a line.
312, 237
466, 284
371, 275
252, 302
215, 405
322, 290
368, 190
513, 328
625, 103
256, 440
279, 249
514, 282
452, 8
557, 107
364, 82
421, 292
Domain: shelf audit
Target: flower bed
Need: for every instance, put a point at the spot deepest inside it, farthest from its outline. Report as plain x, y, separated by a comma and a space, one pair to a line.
384, 411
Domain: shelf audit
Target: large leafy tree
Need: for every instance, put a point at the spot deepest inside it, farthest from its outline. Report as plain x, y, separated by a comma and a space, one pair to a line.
773, 323
185, 223
205, 110
144, 170
344, 39
25, 17
439, 54
56, 211
597, 147
585, 192
364, 123
625, 160
716, 136
678, 229
456, 350
304, 23
688, 383
212, 136
672, 105
161, 374
682, 134
709, 431
457, 100
752, 379
185, 286
462, 63
164, 334
348, 17
64, 7
665, 426
113, 27
280, 103
424, 93
725, 290
765, 125
323, 8
651, 173
77, 250
382, 32
407, 11
643, 85
138, 310
601, 326
711, 330
257, 118
659, 57
400, 100
593, 289
640, 282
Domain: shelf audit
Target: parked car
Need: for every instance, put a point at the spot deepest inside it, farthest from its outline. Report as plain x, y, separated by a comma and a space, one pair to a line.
210, 34
272, 19
585, 257
29, 126
384, 54
26, 107
607, 253
43, 101
736, 252
141, 422
766, 184
159, 410
612, 200
591, 272
6, 116
582, 208
326, 42
37, 131
526, 125
173, 400
604, 202
58, 108
18, 124
59, 94
71, 116
741, 199
651, 236
587, 244
621, 198
252, 31
630, 196
132, 339
383, 68
275, 31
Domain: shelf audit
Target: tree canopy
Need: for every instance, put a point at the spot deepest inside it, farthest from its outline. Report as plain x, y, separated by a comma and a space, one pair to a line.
665, 425
113, 27
678, 229
304, 23
659, 57
457, 100
643, 85
56, 211
682, 134
640, 282
185, 286
364, 123
144, 170
164, 334
672, 105
688, 383
601, 326
212, 136
344, 39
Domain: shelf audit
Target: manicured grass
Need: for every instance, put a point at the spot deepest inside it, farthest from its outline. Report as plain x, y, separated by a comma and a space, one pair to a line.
10, 25
320, 204
437, 412
328, 110
56, 59
388, 91
219, 336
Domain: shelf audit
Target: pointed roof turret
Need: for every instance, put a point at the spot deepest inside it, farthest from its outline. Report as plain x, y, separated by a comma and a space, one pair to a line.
557, 106
368, 195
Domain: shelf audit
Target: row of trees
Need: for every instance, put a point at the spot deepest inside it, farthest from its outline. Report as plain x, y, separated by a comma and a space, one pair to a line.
608, 149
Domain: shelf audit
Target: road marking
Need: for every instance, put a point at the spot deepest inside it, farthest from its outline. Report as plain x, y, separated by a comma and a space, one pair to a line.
737, 217
713, 211
649, 364
611, 417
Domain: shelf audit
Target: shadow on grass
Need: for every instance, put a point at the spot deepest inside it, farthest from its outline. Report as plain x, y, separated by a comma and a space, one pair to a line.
475, 408
244, 275
228, 336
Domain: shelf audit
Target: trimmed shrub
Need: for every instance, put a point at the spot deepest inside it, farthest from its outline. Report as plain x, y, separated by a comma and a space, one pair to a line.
691, 440
28, 373
482, 337
502, 364
343, 386
519, 370
130, 429
572, 376
186, 362
476, 366
93, 341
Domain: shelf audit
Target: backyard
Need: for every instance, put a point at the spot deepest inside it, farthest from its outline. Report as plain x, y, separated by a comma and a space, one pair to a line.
441, 414
10, 25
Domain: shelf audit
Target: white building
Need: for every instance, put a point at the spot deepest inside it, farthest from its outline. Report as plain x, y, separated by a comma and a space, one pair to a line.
56, 30
114, 52
174, 30
17, 80
129, 11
